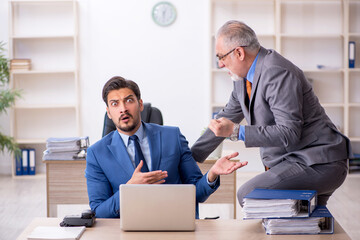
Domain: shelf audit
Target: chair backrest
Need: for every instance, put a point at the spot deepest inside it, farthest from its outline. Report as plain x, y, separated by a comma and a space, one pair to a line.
149, 115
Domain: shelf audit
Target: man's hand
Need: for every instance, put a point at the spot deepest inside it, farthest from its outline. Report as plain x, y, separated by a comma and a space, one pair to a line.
224, 166
154, 177
221, 127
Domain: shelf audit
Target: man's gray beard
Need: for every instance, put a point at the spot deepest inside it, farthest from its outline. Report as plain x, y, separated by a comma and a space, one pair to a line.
235, 77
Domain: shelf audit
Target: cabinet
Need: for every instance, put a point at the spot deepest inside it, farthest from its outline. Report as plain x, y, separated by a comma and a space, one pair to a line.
314, 35
46, 32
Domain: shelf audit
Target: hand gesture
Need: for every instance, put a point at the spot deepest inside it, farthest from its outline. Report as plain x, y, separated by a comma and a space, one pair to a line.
221, 127
154, 177
225, 166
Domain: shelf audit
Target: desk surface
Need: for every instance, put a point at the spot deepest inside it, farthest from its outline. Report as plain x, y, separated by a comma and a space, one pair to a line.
205, 229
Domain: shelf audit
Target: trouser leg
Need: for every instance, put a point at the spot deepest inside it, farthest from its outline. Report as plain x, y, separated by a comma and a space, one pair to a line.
324, 178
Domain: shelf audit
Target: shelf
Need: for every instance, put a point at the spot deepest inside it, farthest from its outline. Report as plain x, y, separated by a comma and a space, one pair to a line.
324, 70
41, 1
332, 105
354, 139
46, 32
71, 71
354, 104
310, 36
31, 141
354, 34
64, 106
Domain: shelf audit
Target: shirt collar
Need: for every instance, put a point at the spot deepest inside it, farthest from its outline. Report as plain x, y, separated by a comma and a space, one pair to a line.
251, 72
140, 133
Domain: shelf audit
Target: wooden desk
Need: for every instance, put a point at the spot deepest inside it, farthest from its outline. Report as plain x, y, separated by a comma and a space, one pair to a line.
66, 184
205, 229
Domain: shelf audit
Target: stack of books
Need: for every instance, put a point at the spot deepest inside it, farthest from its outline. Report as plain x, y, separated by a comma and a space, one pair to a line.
73, 148
288, 211
18, 64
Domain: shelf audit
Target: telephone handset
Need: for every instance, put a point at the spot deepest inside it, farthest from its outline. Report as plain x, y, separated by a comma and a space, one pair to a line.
87, 219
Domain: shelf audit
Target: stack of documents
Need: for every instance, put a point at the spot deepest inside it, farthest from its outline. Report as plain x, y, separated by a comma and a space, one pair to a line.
288, 211
320, 222
56, 233
275, 203
265, 208
72, 148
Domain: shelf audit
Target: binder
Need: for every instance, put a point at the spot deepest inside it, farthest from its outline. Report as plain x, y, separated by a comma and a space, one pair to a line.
18, 165
320, 222
276, 203
25, 160
352, 54
31, 161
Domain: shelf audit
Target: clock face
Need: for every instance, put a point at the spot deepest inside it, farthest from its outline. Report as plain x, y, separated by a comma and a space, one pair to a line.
164, 13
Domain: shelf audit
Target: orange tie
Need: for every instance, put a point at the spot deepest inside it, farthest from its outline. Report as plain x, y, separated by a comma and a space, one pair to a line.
248, 88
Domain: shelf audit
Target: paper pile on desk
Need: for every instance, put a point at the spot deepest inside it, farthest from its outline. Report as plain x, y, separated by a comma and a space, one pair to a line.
292, 226
320, 222
72, 148
56, 233
266, 208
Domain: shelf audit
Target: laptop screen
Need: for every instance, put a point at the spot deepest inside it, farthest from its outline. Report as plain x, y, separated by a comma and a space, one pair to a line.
162, 207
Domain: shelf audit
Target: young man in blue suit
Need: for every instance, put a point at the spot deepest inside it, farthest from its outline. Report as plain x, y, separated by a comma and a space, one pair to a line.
165, 155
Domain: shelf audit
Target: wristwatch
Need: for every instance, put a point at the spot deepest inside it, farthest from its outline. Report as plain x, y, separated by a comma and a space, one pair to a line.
235, 134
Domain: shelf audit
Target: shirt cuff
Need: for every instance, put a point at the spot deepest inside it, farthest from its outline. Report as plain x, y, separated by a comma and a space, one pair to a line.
211, 184
242, 133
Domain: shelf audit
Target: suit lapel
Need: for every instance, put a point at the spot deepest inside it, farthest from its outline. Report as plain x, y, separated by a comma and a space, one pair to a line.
154, 138
119, 151
257, 74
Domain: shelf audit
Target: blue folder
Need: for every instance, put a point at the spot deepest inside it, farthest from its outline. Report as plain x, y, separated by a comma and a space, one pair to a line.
308, 198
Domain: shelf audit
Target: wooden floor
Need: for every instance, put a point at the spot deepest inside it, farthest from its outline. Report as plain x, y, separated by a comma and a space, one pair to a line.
23, 199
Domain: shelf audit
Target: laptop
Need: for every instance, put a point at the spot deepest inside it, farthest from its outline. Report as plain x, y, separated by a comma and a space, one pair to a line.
162, 207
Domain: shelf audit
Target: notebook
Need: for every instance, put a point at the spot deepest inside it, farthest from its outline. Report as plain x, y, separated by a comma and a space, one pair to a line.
163, 207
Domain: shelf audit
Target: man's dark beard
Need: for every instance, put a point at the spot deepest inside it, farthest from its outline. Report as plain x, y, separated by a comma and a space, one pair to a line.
128, 128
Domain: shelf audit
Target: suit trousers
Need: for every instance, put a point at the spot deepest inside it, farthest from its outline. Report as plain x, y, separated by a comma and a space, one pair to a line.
324, 178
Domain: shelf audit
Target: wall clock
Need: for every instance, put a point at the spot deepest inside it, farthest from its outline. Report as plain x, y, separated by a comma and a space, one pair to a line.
164, 14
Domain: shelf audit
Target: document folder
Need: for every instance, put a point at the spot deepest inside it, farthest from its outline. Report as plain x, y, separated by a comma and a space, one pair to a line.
351, 54
320, 222
25, 161
276, 203
31, 161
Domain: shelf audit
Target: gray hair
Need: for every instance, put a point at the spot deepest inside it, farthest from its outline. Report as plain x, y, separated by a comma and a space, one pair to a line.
236, 33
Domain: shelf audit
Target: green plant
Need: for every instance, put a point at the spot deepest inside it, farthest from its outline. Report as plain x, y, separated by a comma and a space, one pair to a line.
7, 99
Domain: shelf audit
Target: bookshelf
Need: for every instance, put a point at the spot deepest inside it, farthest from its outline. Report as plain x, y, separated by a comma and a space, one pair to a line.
46, 32
314, 35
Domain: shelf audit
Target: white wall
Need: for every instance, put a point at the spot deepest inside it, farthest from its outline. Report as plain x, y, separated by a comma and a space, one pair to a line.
168, 63
119, 37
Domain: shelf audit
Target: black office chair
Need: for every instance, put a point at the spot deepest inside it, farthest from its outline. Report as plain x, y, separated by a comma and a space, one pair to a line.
149, 115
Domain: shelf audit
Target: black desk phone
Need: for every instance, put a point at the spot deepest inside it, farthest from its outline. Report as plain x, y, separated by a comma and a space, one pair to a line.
87, 219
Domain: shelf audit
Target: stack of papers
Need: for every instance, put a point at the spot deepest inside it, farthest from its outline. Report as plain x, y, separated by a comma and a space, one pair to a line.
270, 208
320, 222
276, 203
292, 226
66, 148
56, 233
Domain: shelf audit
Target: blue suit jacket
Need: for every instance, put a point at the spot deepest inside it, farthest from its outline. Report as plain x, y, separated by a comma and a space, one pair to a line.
108, 165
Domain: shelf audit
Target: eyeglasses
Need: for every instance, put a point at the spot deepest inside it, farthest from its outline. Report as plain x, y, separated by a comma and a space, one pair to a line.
220, 58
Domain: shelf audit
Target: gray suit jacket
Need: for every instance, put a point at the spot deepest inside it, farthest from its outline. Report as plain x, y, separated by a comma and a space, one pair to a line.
285, 118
